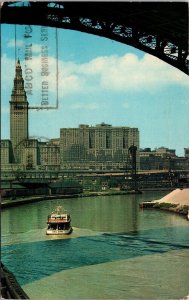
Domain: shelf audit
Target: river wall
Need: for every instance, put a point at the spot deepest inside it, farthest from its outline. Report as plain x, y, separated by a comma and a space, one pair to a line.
9, 202
24, 192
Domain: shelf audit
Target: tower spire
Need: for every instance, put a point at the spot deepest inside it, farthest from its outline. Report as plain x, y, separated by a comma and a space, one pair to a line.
18, 91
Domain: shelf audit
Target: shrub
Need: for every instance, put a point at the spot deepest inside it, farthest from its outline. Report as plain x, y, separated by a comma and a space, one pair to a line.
168, 205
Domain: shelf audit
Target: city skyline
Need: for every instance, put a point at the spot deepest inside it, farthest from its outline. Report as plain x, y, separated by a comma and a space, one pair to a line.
101, 80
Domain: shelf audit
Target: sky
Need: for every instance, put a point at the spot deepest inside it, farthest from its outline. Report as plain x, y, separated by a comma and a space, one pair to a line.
99, 80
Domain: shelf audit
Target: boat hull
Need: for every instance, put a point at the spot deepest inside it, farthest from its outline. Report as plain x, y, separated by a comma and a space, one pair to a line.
58, 231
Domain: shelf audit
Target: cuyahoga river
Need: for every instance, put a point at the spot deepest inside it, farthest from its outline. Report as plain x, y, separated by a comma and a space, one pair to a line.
116, 250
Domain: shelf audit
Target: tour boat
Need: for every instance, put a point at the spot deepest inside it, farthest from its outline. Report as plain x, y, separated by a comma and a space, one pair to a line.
59, 222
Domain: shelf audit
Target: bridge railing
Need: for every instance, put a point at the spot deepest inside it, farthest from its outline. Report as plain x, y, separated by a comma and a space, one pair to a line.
10, 288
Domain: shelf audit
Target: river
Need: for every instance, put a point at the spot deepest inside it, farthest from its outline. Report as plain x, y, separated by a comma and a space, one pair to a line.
116, 250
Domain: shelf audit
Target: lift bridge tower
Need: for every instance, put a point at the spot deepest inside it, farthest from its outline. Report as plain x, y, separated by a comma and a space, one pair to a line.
132, 152
131, 169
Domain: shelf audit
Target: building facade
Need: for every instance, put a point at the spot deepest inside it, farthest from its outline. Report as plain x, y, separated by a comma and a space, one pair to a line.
29, 154
186, 152
162, 159
102, 147
49, 155
6, 152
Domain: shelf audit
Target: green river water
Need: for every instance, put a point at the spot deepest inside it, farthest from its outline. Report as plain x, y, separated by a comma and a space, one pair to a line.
116, 250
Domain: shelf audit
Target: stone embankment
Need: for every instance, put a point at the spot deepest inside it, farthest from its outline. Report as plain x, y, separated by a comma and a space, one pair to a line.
177, 201
26, 200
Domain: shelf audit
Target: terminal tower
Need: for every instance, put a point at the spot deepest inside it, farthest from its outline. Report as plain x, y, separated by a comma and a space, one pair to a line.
18, 114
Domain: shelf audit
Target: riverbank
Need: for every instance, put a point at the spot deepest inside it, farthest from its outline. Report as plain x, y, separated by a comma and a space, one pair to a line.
176, 201
5, 203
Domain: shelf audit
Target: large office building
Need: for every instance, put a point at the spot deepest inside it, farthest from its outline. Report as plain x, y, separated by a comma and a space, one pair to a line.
102, 147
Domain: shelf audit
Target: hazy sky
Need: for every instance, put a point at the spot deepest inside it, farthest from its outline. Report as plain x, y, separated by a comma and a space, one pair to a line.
100, 80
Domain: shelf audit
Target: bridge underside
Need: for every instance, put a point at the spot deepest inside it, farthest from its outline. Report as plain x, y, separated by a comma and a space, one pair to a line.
158, 28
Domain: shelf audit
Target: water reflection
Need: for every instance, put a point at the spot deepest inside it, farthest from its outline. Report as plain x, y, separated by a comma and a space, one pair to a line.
99, 214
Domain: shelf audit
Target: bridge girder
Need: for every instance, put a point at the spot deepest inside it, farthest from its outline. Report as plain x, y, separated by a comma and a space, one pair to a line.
158, 28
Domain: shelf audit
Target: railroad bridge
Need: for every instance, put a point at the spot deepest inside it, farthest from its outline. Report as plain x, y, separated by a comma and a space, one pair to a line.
36, 178
158, 28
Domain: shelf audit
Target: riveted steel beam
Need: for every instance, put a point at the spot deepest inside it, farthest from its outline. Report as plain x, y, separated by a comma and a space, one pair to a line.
158, 28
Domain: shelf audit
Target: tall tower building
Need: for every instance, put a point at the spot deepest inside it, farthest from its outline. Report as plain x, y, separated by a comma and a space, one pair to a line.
18, 114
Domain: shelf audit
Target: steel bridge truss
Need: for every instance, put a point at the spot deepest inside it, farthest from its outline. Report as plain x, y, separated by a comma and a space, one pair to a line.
64, 15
